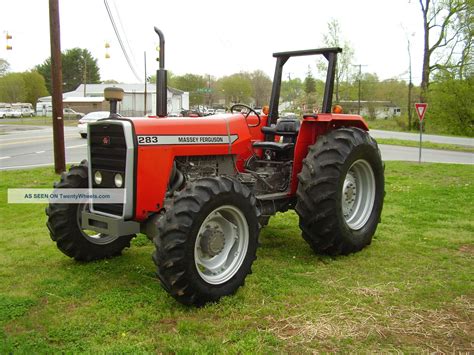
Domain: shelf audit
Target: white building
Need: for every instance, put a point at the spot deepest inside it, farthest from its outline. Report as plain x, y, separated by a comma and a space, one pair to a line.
133, 104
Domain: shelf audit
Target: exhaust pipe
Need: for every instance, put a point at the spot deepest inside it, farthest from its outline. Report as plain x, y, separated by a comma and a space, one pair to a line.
161, 80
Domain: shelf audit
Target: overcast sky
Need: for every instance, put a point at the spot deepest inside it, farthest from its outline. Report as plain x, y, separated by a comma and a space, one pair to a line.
216, 37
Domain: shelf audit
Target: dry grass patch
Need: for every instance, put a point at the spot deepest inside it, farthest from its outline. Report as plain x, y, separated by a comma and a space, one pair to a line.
446, 330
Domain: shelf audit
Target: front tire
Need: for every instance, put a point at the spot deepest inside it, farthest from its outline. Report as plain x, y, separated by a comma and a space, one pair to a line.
64, 224
340, 192
83, 135
206, 243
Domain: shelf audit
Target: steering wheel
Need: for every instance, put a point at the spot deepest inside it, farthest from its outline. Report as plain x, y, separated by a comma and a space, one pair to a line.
250, 110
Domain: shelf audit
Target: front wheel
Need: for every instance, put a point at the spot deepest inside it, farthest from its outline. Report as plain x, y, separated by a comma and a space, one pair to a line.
206, 243
65, 227
340, 192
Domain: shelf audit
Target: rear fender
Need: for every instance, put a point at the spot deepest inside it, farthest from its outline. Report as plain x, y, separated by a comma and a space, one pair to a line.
313, 127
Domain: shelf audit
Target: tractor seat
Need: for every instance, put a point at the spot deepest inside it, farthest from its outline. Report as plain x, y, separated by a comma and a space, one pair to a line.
286, 127
275, 146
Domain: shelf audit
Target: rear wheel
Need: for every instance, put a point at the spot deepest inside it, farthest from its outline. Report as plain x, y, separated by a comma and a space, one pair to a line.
206, 243
65, 224
340, 192
83, 135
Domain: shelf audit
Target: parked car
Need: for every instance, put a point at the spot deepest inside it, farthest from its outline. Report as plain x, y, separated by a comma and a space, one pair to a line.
4, 112
90, 117
70, 113
14, 113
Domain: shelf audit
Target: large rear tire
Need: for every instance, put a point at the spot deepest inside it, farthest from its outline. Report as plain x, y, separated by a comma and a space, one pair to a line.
64, 224
340, 192
206, 242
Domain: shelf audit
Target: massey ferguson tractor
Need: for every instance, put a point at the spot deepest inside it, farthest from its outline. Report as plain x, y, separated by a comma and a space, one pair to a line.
201, 188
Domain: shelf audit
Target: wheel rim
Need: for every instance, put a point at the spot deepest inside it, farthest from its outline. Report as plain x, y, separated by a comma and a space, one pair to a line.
358, 194
90, 235
221, 245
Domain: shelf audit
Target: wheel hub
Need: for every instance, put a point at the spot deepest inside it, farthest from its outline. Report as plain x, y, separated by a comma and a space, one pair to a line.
358, 194
349, 194
212, 241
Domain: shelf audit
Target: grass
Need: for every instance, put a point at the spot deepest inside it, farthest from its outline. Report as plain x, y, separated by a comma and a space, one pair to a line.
430, 145
385, 125
411, 291
37, 121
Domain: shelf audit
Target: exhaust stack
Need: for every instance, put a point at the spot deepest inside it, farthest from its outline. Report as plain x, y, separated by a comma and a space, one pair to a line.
161, 80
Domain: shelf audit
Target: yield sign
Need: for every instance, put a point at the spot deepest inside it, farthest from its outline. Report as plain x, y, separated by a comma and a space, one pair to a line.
421, 110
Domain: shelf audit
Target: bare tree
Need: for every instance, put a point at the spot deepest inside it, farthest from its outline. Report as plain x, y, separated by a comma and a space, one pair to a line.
261, 87
447, 31
333, 39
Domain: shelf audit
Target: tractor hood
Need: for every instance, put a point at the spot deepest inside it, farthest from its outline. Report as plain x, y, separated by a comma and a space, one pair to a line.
219, 125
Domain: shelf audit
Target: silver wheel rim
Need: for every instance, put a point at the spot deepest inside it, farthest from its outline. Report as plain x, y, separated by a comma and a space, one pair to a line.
358, 194
89, 235
221, 245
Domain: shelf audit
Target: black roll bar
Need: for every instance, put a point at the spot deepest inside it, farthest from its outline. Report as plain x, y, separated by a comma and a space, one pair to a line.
282, 57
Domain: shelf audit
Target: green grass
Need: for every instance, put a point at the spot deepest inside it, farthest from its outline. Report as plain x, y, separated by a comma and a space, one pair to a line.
430, 145
385, 125
412, 290
37, 121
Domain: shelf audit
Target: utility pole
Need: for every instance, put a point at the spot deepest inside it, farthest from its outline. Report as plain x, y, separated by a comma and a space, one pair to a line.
85, 75
358, 79
146, 111
209, 90
56, 84
410, 86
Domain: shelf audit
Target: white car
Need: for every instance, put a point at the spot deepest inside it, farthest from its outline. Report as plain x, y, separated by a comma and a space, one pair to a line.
90, 117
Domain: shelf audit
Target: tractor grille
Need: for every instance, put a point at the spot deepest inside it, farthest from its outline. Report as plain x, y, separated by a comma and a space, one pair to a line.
108, 151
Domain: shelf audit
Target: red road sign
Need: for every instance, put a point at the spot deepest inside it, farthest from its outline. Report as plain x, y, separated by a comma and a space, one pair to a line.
421, 110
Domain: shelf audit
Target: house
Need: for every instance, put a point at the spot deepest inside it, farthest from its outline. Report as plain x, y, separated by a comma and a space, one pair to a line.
372, 109
91, 98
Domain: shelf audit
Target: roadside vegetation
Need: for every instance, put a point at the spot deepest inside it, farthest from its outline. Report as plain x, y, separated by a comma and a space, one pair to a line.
36, 121
410, 291
430, 145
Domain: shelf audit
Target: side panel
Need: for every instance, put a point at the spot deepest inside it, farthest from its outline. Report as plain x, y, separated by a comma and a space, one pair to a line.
311, 129
155, 162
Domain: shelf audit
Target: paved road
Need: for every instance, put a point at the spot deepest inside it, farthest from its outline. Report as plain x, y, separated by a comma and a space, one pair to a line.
31, 146
468, 142
394, 152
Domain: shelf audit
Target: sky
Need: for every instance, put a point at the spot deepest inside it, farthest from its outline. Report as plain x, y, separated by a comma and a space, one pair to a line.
217, 37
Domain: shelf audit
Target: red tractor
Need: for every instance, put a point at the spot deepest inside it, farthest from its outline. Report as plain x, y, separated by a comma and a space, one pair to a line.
201, 188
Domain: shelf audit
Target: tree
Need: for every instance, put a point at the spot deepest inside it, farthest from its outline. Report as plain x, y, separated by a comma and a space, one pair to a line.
191, 83
333, 39
451, 109
4, 66
291, 89
12, 88
236, 88
78, 67
22, 87
261, 87
447, 28
35, 87
310, 88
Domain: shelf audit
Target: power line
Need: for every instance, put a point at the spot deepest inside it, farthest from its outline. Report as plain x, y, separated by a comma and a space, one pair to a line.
120, 41
122, 31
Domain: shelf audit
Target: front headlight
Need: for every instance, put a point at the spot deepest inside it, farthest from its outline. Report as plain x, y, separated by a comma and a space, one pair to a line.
118, 180
98, 177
